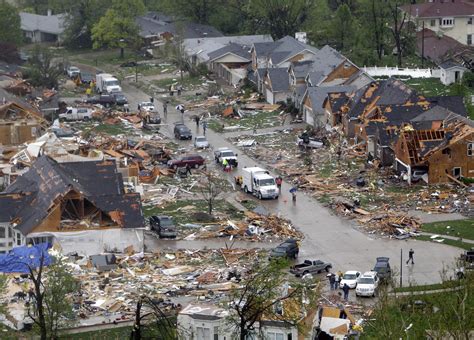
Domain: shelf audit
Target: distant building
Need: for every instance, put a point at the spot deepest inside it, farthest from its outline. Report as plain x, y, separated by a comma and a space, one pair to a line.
454, 18
42, 28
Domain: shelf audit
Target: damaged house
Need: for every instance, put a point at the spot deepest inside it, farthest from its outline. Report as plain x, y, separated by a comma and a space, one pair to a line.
441, 155
82, 206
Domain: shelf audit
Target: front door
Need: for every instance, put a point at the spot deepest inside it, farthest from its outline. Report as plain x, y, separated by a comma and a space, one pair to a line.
456, 172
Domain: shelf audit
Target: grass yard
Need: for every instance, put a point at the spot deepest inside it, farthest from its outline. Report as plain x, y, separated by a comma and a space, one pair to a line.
108, 334
460, 228
431, 87
423, 288
188, 81
454, 243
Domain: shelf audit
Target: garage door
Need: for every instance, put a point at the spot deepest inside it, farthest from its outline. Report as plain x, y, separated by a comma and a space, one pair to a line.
269, 96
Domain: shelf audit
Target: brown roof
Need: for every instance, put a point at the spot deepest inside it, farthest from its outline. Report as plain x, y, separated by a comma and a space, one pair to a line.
436, 46
438, 9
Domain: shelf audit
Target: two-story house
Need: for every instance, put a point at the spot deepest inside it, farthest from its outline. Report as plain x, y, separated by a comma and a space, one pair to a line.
454, 18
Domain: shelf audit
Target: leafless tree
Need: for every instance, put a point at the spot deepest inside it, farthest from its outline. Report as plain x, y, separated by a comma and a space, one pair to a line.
210, 189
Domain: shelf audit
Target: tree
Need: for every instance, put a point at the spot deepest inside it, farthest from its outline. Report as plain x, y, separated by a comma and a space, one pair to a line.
35, 6
263, 293
50, 307
159, 324
398, 26
278, 17
10, 30
118, 25
342, 25
41, 70
210, 189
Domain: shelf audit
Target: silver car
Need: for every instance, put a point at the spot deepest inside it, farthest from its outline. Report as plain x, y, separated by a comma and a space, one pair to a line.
200, 142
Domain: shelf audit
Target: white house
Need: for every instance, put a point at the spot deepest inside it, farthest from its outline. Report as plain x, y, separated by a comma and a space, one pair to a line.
42, 28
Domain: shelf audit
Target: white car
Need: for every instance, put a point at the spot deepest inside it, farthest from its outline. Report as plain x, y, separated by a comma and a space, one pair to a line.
147, 106
367, 284
350, 277
200, 142
73, 71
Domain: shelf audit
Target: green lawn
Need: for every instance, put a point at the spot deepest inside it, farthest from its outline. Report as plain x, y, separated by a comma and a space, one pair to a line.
422, 288
432, 87
460, 228
106, 334
454, 243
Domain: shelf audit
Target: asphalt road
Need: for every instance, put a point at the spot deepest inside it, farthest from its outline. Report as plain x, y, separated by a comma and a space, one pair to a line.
327, 236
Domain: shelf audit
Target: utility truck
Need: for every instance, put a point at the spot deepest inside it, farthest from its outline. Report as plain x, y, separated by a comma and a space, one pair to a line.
259, 182
107, 83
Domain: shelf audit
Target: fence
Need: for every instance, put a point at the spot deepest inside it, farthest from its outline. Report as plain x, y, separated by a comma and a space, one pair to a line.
403, 72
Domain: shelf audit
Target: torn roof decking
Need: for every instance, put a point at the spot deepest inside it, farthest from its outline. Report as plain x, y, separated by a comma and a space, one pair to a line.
99, 182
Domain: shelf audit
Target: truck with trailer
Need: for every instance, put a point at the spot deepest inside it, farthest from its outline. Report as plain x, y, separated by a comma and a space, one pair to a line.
107, 83
259, 182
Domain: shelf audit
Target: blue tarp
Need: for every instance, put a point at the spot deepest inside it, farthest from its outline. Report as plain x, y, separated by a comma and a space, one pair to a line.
19, 259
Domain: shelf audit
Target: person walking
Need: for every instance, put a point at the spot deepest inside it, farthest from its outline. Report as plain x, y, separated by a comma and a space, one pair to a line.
197, 119
278, 182
180, 108
345, 289
204, 127
410, 256
332, 281
337, 278
225, 164
165, 109
188, 169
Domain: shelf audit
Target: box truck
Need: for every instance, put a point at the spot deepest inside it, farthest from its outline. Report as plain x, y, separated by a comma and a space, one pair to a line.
259, 182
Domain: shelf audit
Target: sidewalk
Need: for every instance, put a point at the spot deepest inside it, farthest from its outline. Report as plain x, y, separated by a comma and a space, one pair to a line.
449, 237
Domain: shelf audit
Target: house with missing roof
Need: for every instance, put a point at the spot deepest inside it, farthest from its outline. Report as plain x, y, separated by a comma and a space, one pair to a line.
82, 206
444, 154
43, 28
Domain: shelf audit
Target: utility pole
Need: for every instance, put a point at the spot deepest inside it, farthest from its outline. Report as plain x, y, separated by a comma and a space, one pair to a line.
401, 267
423, 45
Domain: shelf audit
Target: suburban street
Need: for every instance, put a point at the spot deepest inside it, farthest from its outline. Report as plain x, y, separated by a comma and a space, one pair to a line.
327, 236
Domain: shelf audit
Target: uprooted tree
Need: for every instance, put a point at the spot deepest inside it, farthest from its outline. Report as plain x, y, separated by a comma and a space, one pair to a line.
266, 293
50, 307
209, 189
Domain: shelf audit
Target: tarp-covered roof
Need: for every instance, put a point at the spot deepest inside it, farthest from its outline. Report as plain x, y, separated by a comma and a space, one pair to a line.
20, 259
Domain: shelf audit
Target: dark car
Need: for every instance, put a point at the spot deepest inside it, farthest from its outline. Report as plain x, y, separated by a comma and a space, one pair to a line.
288, 249
120, 98
106, 100
164, 226
382, 268
181, 131
194, 161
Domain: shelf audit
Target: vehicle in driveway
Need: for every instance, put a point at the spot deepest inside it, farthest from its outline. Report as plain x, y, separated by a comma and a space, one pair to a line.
367, 284
200, 142
194, 161
288, 249
350, 278
106, 100
309, 266
181, 131
164, 226
382, 268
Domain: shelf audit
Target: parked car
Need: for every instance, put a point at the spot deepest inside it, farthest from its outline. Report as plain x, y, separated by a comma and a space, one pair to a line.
367, 284
73, 71
147, 106
201, 142
225, 153
350, 278
181, 131
382, 268
288, 249
106, 100
120, 98
309, 266
194, 161
164, 226
77, 113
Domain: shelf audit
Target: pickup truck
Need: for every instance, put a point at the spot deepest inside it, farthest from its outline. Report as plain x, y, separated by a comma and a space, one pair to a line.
225, 153
310, 267
77, 113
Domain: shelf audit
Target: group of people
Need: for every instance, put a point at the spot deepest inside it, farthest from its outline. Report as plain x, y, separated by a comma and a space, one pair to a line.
335, 282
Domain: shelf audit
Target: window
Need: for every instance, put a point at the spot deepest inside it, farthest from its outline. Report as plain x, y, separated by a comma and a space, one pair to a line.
470, 148
433, 22
469, 21
447, 22
469, 39
274, 336
203, 333
2, 232
216, 333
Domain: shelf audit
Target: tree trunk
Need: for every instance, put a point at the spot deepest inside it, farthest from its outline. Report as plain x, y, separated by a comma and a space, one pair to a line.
41, 317
210, 206
136, 332
243, 331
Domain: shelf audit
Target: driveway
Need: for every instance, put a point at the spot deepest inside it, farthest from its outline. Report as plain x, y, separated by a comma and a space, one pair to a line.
328, 236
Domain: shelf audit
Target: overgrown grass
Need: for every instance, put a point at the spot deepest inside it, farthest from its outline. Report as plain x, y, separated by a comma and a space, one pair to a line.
454, 243
109, 334
459, 228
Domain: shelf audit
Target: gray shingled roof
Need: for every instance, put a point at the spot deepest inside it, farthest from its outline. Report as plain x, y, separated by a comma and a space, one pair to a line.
239, 50
53, 24
318, 94
279, 79
282, 49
